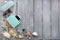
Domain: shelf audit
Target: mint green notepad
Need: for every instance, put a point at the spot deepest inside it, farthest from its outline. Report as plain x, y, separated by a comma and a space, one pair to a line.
13, 20
6, 6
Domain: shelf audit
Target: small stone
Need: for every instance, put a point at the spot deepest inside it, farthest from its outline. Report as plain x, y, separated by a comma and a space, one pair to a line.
14, 35
35, 34
21, 36
11, 32
29, 37
6, 34
28, 34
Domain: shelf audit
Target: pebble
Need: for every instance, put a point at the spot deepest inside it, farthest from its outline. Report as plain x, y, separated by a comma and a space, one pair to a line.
35, 34
6, 34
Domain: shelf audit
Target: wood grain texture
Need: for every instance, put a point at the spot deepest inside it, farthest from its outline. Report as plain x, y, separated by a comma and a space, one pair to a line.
46, 19
41, 16
25, 9
54, 19
58, 19
21, 5
38, 18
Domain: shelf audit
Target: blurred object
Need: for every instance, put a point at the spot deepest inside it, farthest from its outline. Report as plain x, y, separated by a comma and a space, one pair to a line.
13, 21
4, 27
35, 34
4, 19
6, 34
28, 34
21, 31
18, 17
8, 5
7, 13
21, 36
14, 35
8, 25
11, 32
5, 1
29, 37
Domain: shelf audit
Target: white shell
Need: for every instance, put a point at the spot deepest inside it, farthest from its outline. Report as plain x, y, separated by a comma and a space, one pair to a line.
35, 34
6, 34
20, 36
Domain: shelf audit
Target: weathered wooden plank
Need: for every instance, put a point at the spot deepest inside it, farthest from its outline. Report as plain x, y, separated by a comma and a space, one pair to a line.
38, 18
58, 19
21, 5
21, 13
26, 11
29, 15
54, 19
13, 9
32, 12
46, 19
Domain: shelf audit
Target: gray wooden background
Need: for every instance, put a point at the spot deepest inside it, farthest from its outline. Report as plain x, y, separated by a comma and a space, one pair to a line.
41, 16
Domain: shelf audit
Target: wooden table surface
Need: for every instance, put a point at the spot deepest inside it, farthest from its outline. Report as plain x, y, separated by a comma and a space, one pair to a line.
41, 16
